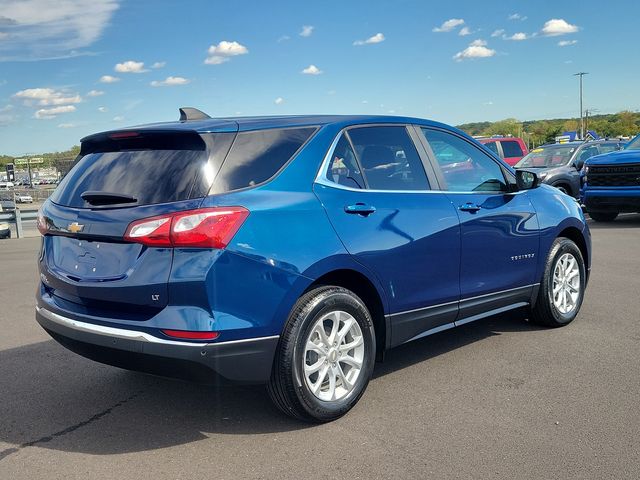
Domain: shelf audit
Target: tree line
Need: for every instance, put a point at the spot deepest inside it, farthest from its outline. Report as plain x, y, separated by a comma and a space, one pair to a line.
538, 132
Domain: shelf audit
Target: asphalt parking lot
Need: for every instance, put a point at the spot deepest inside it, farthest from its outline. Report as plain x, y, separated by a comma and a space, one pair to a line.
494, 399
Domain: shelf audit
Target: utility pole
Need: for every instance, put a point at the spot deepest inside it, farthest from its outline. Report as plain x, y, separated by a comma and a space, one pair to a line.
581, 74
586, 119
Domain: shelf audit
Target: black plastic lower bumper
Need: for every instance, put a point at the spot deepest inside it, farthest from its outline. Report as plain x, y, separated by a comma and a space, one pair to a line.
618, 204
240, 361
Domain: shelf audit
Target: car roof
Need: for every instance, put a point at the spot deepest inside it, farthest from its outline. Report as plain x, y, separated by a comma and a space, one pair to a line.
231, 124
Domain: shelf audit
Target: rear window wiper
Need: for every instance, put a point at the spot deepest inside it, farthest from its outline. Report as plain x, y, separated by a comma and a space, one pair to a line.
107, 198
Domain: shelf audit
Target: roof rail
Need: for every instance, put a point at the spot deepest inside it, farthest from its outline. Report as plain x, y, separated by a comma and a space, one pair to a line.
190, 113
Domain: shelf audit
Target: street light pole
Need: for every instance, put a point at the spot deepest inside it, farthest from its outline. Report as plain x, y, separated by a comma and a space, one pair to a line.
581, 74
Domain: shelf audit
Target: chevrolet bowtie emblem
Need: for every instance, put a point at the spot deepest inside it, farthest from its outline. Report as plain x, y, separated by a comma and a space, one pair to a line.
75, 227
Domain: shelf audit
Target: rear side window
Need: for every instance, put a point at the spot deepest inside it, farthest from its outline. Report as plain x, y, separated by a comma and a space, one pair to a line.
511, 148
389, 158
152, 168
257, 156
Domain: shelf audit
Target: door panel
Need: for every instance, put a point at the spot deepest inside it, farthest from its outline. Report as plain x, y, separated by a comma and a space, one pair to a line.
411, 242
499, 242
378, 199
499, 227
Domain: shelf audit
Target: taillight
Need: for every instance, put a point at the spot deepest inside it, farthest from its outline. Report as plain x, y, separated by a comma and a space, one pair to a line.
202, 228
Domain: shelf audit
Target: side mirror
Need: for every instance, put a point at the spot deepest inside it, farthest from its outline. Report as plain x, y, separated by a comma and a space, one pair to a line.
526, 180
579, 164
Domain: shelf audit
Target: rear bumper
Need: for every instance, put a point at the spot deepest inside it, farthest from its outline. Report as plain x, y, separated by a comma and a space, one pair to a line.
237, 361
611, 200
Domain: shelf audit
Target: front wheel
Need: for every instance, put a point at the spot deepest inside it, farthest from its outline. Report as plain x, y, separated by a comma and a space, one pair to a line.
325, 357
562, 289
603, 216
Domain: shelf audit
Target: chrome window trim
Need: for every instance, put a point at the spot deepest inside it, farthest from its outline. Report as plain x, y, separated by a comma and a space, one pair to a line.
131, 334
321, 176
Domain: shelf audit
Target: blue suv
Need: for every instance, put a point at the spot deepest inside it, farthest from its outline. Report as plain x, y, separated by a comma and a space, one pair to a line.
294, 251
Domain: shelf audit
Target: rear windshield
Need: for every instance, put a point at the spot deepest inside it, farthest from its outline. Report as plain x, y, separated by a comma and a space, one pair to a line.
257, 156
152, 168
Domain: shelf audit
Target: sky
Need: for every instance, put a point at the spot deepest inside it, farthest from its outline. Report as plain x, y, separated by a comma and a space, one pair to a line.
69, 68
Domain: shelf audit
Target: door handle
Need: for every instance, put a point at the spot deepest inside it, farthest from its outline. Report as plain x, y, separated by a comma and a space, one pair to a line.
360, 209
470, 207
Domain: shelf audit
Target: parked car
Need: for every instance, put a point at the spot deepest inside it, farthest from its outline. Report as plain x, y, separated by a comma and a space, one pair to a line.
559, 164
7, 203
511, 149
23, 198
611, 183
294, 251
5, 231
6, 186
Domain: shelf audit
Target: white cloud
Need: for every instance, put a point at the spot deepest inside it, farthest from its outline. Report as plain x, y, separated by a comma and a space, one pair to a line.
108, 79
497, 33
284, 38
567, 43
41, 29
66, 125
170, 82
47, 96
279, 101
377, 38
103, 109
311, 70
464, 31
449, 25
224, 51
518, 37
130, 66
517, 16
476, 49
118, 118
558, 26
95, 93
49, 113
158, 64
307, 30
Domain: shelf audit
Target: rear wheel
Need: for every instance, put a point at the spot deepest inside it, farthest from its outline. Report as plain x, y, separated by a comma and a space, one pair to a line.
326, 356
562, 289
603, 216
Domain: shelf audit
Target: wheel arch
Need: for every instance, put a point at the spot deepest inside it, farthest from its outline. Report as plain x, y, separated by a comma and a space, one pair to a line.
576, 236
364, 288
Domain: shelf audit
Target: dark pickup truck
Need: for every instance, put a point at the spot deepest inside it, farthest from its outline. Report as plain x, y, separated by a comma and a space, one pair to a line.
611, 183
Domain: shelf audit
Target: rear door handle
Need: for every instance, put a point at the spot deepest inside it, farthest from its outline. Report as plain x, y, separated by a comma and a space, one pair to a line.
469, 207
360, 209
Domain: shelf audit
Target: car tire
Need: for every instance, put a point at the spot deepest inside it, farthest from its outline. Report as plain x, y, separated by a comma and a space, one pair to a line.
301, 389
562, 288
603, 216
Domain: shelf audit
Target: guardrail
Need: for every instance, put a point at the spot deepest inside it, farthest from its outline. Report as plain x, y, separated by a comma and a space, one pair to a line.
17, 216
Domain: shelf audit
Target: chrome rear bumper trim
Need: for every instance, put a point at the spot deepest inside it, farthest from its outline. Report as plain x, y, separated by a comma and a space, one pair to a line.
131, 334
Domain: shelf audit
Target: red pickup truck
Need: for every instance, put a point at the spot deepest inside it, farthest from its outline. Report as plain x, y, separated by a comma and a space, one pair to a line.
511, 149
